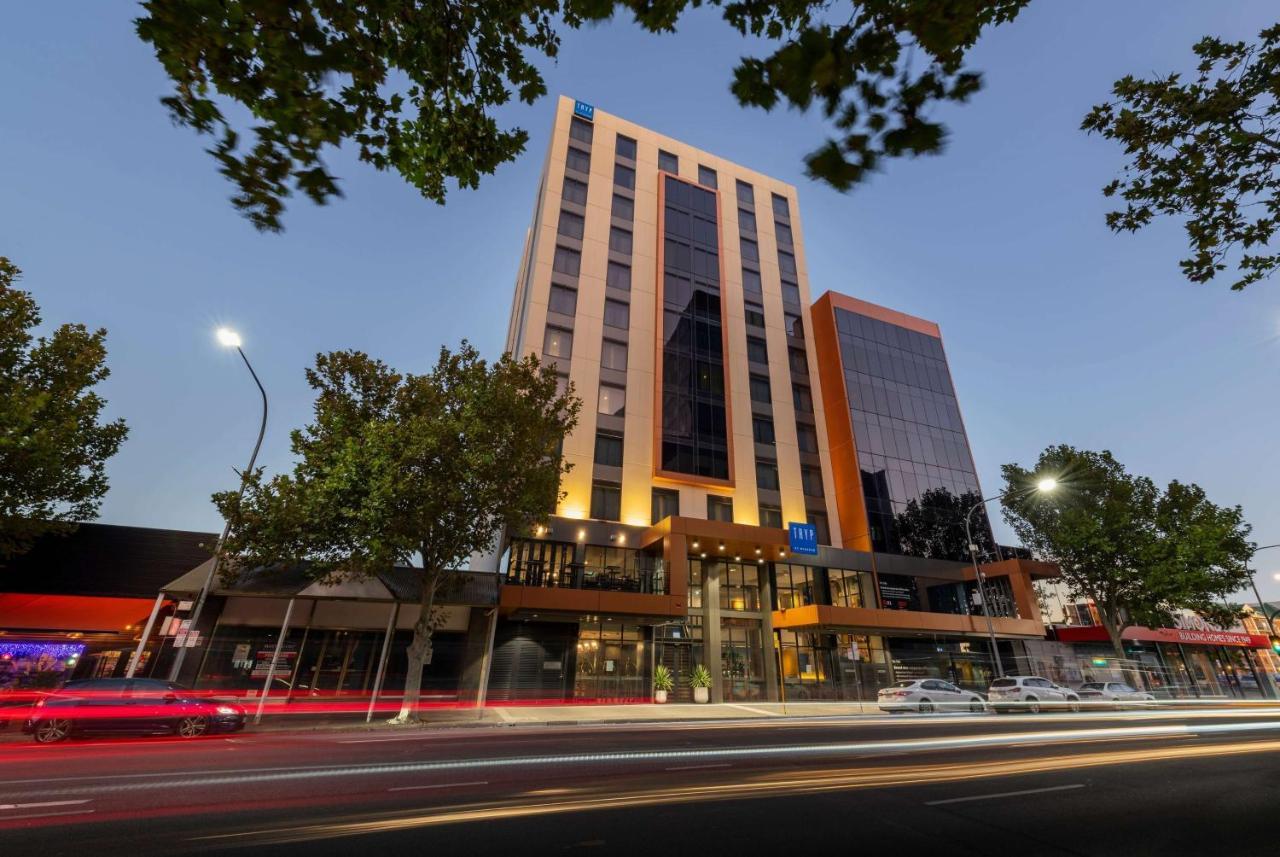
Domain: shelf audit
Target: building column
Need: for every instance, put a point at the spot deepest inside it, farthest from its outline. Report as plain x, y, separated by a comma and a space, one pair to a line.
766, 633
711, 627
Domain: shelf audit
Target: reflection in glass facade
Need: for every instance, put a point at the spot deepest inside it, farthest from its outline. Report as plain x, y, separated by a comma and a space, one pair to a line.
694, 425
906, 421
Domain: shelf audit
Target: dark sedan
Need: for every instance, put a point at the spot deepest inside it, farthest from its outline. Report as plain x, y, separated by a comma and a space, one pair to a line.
138, 706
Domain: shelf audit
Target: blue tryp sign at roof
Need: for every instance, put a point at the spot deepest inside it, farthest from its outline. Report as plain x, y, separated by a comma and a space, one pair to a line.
803, 538
585, 110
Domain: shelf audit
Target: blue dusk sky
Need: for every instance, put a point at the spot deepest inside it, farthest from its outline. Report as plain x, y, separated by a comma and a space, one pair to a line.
1057, 330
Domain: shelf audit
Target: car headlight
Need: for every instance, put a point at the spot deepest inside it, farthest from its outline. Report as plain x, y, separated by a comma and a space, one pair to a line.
227, 709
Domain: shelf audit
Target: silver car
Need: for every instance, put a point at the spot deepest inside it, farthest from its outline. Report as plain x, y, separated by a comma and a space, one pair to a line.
1030, 693
1098, 694
926, 695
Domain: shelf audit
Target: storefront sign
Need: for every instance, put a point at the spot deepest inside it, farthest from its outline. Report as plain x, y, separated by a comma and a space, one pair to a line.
1096, 633
803, 538
585, 110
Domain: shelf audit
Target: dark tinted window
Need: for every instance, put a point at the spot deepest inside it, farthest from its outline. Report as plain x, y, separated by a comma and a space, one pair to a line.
760, 389
706, 176
668, 162
746, 222
625, 147
762, 430
780, 206
613, 355
563, 300
767, 475
571, 224
666, 504
754, 314
620, 240
745, 194
770, 516
606, 501
757, 351
616, 314
580, 130
624, 176
751, 284
719, 508
578, 160
618, 276
575, 191
608, 450
623, 208
567, 261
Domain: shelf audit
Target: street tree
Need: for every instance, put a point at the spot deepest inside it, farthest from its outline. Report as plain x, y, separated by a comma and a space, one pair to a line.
412, 86
1138, 553
1206, 149
401, 469
932, 526
54, 443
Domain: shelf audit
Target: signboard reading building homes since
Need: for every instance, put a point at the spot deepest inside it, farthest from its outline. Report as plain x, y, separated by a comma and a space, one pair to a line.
803, 538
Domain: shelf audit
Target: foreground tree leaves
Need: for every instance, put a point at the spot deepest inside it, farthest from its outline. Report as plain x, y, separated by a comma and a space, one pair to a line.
400, 469
411, 85
54, 445
1207, 150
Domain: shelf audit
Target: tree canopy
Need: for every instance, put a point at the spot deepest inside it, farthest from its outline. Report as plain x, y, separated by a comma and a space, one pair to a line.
933, 526
1206, 149
412, 86
403, 469
1138, 553
54, 444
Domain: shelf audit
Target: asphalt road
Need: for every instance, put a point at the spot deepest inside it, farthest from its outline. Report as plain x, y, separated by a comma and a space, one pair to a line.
1097, 783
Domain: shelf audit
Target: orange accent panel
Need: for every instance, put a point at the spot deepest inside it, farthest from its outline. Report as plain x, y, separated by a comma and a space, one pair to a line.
875, 620
72, 612
659, 474
892, 316
515, 598
843, 450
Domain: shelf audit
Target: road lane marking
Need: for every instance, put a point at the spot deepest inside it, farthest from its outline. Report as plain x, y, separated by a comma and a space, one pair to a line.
439, 786
1005, 794
5, 806
125, 783
31, 815
698, 767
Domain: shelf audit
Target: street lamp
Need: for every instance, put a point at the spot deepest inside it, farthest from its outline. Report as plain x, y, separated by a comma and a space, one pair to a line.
1044, 485
227, 338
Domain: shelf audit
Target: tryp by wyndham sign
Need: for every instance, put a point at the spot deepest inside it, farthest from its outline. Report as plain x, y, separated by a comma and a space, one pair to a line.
585, 110
803, 538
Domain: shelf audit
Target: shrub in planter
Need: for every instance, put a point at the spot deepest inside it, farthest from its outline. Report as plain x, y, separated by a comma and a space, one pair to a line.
700, 681
663, 683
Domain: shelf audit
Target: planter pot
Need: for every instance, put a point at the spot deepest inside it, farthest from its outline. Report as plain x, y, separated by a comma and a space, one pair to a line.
702, 694
659, 696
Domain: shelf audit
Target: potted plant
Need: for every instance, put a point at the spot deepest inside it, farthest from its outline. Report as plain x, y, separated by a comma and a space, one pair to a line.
700, 681
663, 683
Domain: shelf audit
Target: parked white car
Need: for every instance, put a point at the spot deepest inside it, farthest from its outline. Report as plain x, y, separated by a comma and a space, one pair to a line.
1030, 693
928, 694
1099, 694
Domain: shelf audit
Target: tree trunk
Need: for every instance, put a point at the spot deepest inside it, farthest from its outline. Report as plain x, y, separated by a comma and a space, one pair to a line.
1114, 630
419, 650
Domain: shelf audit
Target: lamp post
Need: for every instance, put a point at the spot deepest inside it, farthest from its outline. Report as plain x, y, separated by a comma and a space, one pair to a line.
227, 338
1044, 486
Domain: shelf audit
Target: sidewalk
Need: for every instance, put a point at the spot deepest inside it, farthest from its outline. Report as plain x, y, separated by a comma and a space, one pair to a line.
568, 715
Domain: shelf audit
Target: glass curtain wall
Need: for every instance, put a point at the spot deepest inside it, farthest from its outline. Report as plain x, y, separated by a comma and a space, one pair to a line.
694, 424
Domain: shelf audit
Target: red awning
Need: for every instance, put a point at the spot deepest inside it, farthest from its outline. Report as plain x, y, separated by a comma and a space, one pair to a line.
1137, 633
72, 613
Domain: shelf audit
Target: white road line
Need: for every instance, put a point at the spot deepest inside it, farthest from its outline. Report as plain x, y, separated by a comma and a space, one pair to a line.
31, 815
698, 767
1005, 794
439, 786
43, 803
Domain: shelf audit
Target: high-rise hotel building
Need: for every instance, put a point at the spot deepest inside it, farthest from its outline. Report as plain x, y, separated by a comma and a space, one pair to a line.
741, 454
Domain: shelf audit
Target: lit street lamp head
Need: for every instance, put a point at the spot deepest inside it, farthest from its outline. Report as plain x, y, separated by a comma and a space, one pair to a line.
1047, 484
228, 338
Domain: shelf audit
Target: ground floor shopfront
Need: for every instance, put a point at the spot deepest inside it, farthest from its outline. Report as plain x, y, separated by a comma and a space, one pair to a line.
1175, 663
